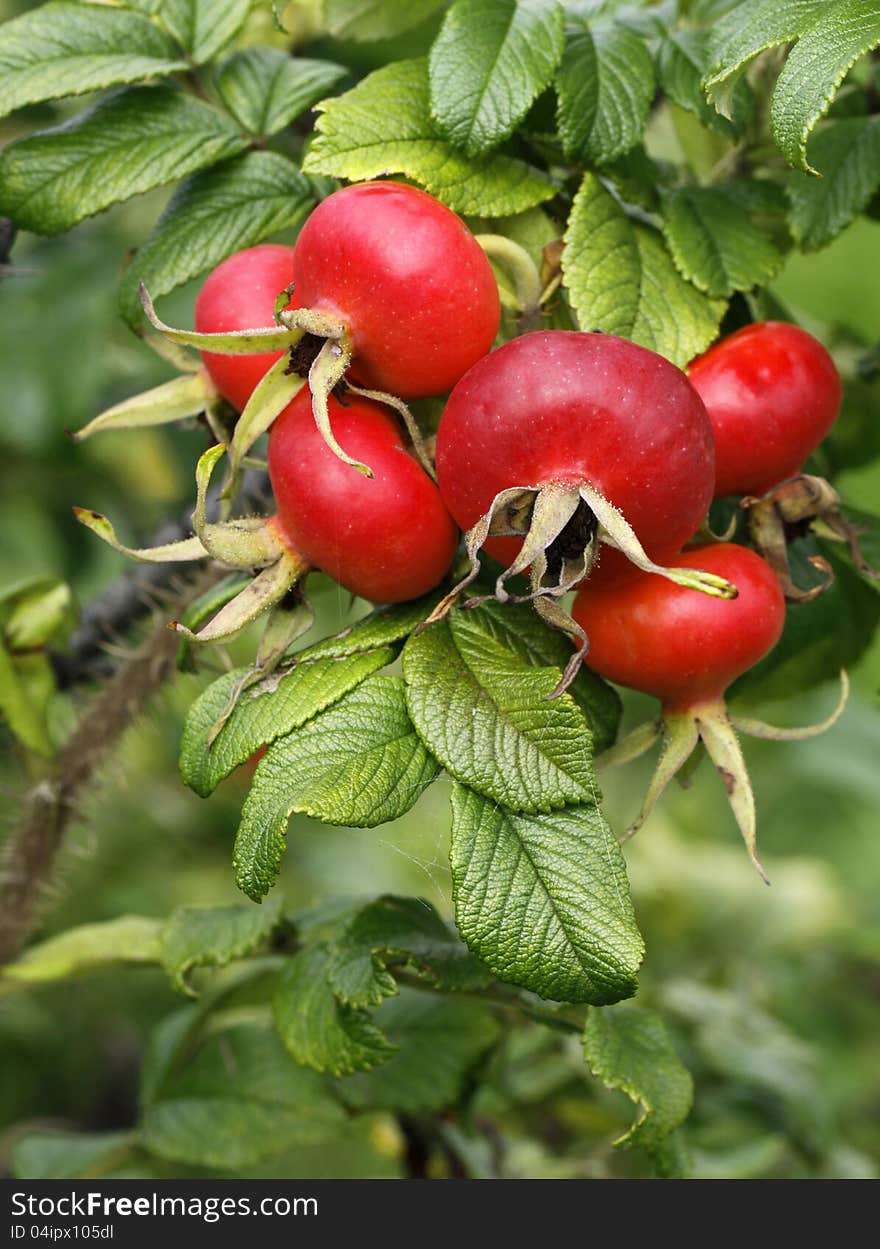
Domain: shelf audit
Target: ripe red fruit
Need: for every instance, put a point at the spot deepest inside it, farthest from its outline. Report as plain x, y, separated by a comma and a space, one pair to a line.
683, 648
240, 295
408, 280
388, 538
772, 393
686, 649
569, 408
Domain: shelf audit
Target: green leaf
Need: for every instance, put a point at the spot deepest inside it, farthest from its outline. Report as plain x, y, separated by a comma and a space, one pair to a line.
23, 704
630, 1049
622, 280
605, 86
520, 629
820, 637
317, 1029
67, 49
265, 88
239, 1100
358, 764
488, 65
68, 1155
129, 939
682, 61
438, 1042
486, 715
543, 900
847, 155
264, 712
204, 27
214, 213
714, 241
816, 66
382, 627
383, 126
214, 936
133, 141
750, 28
368, 20
400, 930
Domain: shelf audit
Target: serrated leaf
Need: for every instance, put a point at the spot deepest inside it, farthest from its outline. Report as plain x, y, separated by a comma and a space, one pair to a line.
749, 28
382, 627
544, 900
816, 66
265, 88
67, 1155
240, 1099
847, 155
682, 61
133, 141
214, 213
518, 627
129, 939
367, 20
264, 713
406, 930
213, 936
383, 126
487, 66
204, 27
622, 280
605, 86
438, 1042
358, 764
62, 49
318, 1030
485, 713
630, 1049
715, 243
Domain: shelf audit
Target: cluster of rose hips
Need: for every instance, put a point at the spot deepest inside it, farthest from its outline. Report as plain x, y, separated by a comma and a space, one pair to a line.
580, 460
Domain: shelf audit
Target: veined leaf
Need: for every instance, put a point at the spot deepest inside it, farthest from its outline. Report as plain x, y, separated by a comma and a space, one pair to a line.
264, 713
382, 627
847, 155
128, 939
213, 936
241, 1098
358, 764
438, 1041
265, 88
484, 712
622, 280
406, 930
815, 68
605, 86
204, 27
543, 900
214, 213
487, 66
133, 141
749, 28
64, 49
383, 126
367, 20
318, 1030
630, 1049
715, 243
682, 61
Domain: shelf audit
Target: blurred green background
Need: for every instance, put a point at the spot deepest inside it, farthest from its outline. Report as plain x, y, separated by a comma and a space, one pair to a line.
772, 994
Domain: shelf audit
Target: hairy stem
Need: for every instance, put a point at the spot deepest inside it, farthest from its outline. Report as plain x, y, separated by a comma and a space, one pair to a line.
27, 863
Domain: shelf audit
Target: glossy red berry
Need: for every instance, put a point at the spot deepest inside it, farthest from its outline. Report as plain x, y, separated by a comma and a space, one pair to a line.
684, 648
240, 295
571, 408
388, 538
772, 393
409, 281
